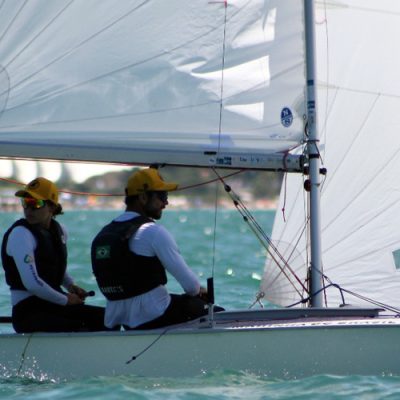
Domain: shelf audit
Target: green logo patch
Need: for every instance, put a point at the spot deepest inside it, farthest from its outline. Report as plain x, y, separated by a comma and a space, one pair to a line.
103, 252
28, 259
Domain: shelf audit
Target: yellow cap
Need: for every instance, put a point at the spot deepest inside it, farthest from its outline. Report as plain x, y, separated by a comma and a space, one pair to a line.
147, 180
40, 189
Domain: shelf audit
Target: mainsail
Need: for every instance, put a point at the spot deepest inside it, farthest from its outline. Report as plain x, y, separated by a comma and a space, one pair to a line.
358, 103
205, 83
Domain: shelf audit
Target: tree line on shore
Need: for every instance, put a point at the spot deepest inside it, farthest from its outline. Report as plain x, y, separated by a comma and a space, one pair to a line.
196, 185
193, 182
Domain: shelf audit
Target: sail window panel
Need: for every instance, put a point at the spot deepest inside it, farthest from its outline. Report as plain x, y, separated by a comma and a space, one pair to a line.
254, 74
396, 258
253, 111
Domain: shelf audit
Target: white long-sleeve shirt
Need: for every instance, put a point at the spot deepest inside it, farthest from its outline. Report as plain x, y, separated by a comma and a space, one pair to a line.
21, 245
151, 240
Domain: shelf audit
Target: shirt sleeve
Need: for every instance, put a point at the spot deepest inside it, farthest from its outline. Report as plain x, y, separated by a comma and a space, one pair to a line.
21, 246
167, 251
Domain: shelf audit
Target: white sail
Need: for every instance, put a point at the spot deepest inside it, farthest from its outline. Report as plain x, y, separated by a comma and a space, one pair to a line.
135, 82
359, 122
125, 82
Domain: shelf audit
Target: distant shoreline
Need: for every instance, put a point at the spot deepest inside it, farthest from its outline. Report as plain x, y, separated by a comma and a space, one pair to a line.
12, 204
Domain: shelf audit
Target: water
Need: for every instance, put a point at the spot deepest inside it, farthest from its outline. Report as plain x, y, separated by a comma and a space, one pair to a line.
235, 258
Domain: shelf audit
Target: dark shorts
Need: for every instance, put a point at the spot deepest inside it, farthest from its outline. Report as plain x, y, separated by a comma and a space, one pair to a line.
182, 308
37, 315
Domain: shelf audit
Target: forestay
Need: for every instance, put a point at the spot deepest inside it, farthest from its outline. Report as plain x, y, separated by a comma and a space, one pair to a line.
359, 99
217, 83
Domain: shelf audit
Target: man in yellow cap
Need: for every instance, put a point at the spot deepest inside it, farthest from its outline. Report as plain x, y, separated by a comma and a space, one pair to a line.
130, 257
34, 257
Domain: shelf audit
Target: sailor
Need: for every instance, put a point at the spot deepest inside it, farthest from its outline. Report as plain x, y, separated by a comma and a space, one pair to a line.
130, 257
34, 257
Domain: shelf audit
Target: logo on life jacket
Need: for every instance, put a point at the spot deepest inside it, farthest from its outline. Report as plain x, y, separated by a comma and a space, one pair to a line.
103, 252
28, 259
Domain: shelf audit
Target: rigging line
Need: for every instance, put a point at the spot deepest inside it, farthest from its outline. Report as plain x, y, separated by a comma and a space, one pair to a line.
372, 301
13, 181
288, 258
359, 296
283, 269
285, 261
302, 301
113, 71
247, 214
221, 103
341, 289
261, 235
300, 192
133, 358
284, 189
214, 246
23, 353
322, 263
209, 181
219, 139
268, 240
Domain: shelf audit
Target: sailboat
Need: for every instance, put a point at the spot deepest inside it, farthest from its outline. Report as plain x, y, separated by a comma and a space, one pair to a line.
301, 86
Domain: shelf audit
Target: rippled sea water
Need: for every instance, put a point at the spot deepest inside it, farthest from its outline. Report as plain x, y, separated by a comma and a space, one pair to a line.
235, 258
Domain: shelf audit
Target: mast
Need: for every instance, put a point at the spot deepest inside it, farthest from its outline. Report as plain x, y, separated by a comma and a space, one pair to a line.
313, 154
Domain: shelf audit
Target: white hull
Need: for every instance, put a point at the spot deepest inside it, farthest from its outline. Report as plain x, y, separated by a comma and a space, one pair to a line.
275, 348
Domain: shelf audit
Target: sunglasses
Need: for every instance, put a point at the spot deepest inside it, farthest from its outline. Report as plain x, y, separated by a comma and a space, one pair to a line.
163, 196
28, 202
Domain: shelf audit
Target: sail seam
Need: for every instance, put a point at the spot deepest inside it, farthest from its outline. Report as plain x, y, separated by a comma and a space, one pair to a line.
110, 72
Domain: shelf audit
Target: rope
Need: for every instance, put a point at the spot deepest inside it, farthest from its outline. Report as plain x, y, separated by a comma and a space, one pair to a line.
219, 138
78, 193
343, 290
214, 244
133, 358
23, 353
259, 296
265, 241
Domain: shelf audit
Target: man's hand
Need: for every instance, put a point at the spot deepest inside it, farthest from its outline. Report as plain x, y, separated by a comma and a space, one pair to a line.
74, 299
203, 294
81, 293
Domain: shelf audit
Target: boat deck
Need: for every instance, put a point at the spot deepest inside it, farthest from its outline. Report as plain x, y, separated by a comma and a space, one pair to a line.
259, 319
291, 318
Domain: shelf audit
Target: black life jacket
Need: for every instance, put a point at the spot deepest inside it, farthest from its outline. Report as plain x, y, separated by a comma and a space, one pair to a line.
119, 272
50, 255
